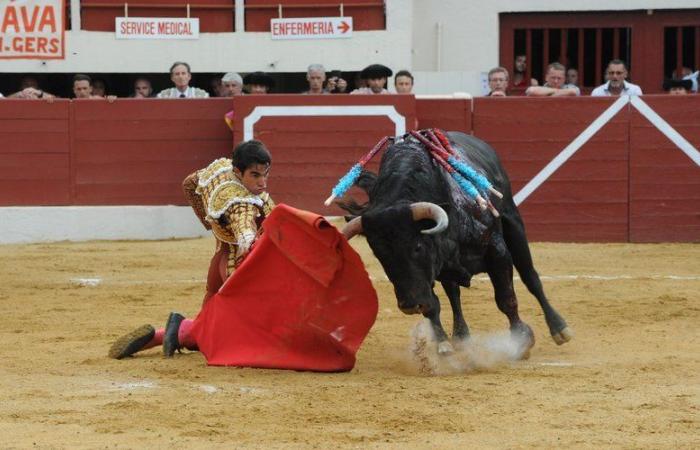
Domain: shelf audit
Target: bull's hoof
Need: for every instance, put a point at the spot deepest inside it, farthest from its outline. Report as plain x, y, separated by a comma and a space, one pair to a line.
445, 348
563, 336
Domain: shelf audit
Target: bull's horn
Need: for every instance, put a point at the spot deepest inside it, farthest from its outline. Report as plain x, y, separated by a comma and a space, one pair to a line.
352, 228
427, 210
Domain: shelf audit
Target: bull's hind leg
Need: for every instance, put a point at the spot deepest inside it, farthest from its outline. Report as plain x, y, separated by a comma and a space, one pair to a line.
460, 330
500, 271
433, 315
514, 234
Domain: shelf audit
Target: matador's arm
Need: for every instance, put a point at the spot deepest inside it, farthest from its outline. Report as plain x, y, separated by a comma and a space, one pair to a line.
189, 187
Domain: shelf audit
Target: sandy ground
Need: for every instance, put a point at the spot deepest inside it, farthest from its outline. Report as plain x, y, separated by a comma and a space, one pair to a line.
629, 379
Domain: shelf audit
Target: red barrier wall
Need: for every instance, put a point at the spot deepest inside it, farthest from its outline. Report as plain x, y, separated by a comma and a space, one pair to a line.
664, 181
447, 114
137, 152
586, 198
35, 153
306, 169
627, 183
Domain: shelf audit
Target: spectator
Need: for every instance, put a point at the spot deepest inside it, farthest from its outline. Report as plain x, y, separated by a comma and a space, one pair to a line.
498, 82
554, 85
29, 89
216, 88
677, 87
99, 88
82, 88
572, 77
375, 76
336, 83
31, 93
181, 75
28, 81
259, 83
403, 82
231, 84
616, 73
520, 73
142, 88
316, 76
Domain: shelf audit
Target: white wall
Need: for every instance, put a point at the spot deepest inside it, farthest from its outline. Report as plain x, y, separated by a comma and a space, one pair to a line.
455, 41
222, 52
450, 43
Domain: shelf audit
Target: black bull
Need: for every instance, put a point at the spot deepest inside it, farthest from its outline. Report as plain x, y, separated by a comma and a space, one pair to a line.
409, 195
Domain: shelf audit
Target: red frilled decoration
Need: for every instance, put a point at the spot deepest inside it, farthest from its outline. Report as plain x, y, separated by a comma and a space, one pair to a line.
301, 300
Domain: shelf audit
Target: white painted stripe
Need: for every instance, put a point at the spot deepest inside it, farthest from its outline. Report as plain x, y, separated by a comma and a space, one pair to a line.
339, 110
570, 149
585, 277
666, 129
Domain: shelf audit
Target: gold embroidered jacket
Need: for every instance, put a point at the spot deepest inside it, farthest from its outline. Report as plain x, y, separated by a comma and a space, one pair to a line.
226, 207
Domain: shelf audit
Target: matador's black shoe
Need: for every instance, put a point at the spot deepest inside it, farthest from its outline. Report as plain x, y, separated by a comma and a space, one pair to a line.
132, 342
170, 340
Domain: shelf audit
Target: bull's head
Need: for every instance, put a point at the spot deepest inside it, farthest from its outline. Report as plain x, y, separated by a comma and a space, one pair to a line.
405, 240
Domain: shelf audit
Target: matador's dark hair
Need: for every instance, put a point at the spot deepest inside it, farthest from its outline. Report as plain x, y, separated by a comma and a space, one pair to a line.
249, 153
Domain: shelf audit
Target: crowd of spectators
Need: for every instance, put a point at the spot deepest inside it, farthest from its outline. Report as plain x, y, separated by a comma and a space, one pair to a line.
562, 82
372, 80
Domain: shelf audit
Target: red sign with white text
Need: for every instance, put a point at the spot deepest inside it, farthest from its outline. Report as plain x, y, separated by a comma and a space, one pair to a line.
32, 29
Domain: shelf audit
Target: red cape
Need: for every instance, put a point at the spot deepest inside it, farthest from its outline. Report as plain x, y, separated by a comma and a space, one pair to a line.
301, 300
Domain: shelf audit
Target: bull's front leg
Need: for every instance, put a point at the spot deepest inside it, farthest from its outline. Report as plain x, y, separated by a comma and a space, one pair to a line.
460, 330
433, 315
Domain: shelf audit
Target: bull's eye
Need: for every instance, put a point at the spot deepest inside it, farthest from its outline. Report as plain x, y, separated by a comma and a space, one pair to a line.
418, 249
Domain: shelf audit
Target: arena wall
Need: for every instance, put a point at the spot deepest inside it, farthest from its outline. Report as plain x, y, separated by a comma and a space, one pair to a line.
583, 169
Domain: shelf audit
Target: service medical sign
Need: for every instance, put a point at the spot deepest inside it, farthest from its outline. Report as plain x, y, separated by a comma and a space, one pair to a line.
32, 29
311, 28
156, 28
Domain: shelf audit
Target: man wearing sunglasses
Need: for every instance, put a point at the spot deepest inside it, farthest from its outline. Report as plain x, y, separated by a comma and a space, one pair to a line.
616, 74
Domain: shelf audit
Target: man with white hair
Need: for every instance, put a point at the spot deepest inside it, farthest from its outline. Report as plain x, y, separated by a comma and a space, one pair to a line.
231, 84
316, 76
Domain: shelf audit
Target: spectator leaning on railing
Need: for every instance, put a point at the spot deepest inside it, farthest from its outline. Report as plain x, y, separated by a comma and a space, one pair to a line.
403, 82
82, 88
554, 85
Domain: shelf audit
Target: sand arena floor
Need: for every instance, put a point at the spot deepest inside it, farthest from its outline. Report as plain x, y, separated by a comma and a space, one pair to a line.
629, 379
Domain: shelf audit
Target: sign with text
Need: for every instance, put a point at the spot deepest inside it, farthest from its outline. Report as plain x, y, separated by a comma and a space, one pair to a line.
311, 28
32, 29
156, 28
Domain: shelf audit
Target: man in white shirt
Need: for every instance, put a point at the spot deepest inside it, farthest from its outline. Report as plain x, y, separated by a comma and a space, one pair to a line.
616, 85
181, 75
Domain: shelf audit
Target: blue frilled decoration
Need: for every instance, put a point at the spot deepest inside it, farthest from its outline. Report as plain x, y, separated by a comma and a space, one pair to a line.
347, 181
475, 177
